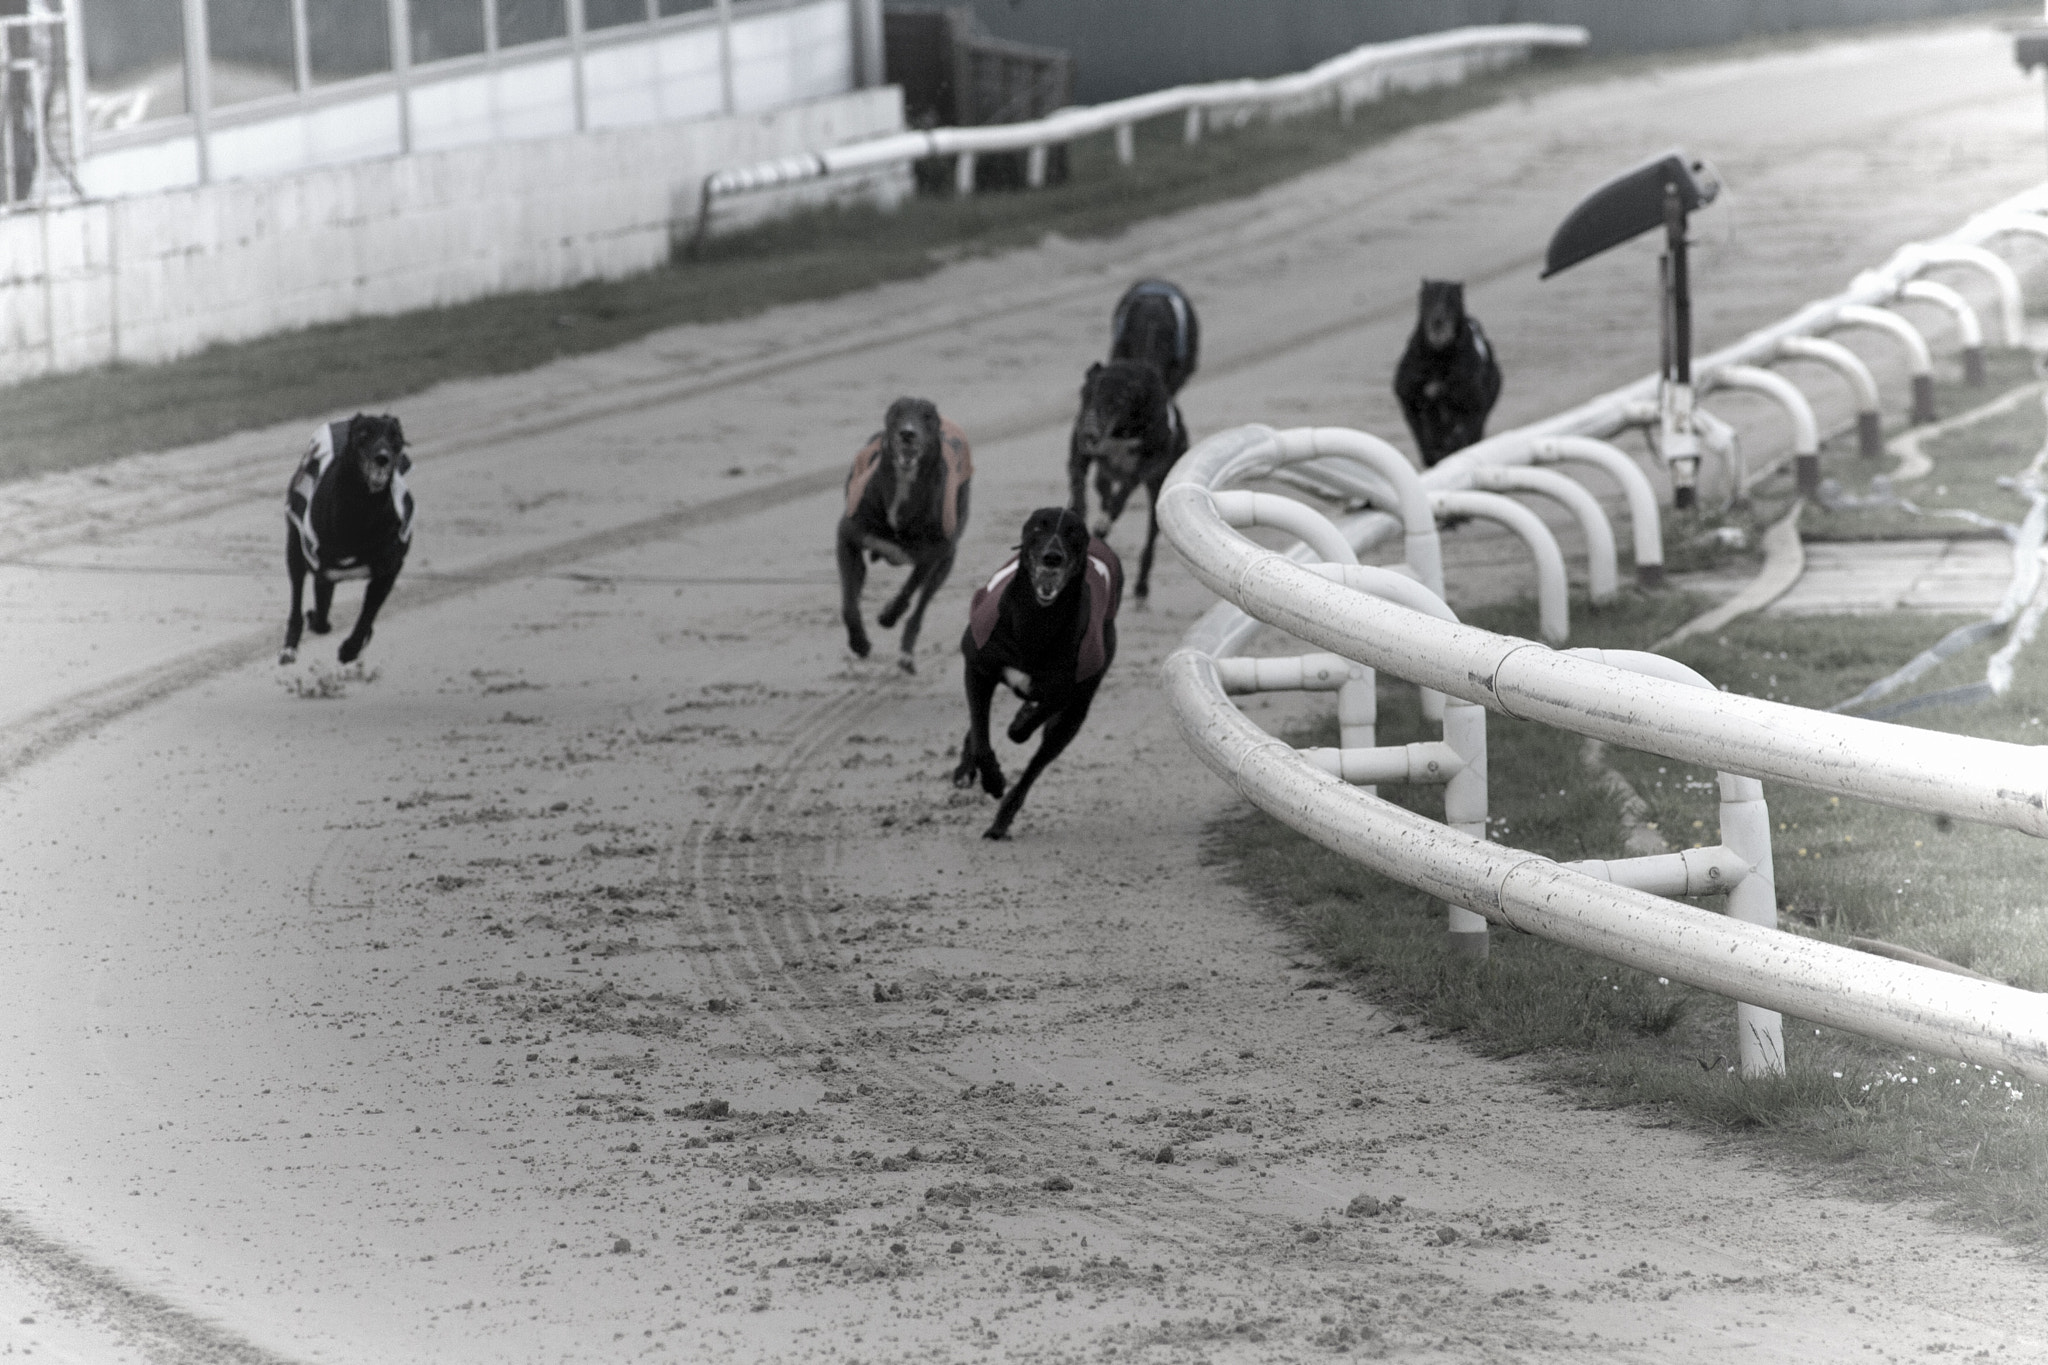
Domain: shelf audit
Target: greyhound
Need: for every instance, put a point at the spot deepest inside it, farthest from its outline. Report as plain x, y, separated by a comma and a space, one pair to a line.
906, 502
1045, 627
1155, 323
1130, 431
348, 514
1448, 379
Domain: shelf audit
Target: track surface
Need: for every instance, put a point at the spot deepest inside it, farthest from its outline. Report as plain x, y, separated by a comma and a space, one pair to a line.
349, 1028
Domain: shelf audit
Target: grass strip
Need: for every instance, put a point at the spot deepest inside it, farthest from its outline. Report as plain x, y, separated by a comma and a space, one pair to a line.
1864, 1117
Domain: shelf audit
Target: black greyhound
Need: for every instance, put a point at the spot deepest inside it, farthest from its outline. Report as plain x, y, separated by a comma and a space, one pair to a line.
1045, 627
906, 502
1448, 378
1155, 323
1129, 429
348, 514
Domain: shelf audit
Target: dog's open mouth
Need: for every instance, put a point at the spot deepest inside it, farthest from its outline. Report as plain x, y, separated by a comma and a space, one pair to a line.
1046, 582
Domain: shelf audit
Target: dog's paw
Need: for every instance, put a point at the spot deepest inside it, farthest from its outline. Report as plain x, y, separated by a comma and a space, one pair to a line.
992, 780
319, 625
288, 655
907, 662
999, 831
351, 648
859, 645
963, 776
889, 615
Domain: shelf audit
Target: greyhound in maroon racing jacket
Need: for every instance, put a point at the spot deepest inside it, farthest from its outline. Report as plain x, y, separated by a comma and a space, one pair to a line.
1045, 627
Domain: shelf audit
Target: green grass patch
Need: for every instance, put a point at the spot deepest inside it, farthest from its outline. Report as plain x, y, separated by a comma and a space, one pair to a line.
1867, 1118
69, 420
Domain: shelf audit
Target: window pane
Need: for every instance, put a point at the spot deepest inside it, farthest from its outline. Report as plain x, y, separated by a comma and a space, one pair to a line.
669, 7
610, 13
251, 45
446, 28
348, 38
531, 21
134, 62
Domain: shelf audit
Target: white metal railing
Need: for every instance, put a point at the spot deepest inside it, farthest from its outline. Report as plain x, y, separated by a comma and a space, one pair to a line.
1605, 697
1614, 908
1358, 76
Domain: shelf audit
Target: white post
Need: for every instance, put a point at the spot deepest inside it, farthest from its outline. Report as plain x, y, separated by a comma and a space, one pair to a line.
199, 85
1193, 127
1573, 497
401, 68
1034, 166
1746, 829
302, 49
1968, 329
1805, 427
74, 78
1126, 145
1644, 522
870, 61
728, 101
575, 8
1465, 811
1553, 603
1919, 360
1849, 365
963, 174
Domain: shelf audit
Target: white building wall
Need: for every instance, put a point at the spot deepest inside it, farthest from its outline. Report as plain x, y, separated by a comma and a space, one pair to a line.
154, 276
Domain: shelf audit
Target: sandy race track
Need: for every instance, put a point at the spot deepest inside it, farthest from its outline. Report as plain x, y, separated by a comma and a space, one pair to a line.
610, 972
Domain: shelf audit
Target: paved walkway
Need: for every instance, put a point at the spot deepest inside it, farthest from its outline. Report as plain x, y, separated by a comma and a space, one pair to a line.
1857, 578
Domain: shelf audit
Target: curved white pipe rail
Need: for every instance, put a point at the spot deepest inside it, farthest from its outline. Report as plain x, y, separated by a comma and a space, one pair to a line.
1553, 599
1919, 360
1895, 1002
1601, 575
1305, 88
1968, 329
1304, 523
1973, 779
1746, 838
1938, 774
1787, 395
2011, 302
1302, 445
1645, 523
1850, 366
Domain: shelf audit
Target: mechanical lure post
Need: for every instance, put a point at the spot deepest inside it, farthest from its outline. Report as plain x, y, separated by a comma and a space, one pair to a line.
1664, 190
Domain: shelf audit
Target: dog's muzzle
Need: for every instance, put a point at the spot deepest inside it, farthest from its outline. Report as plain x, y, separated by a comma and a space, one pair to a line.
377, 473
1047, 579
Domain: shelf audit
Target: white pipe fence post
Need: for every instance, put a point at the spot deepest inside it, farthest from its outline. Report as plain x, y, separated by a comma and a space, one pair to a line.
1782, 391
1849, 365
1034, 165
199, 85
1920, 360
1126, 145
1645, 522
1968, 328
1584, 507
1553, 602
401, 68
1191, 131
963, 174
2004, 279
1465, 811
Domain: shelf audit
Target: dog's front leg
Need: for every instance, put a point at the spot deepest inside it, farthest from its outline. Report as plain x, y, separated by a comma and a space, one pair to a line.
381, 581
977, 754
935, 571
1151, 539
1059, 733
853, 573
295, 566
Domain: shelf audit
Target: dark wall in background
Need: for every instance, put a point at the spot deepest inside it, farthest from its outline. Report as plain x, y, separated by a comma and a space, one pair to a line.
1126, 47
